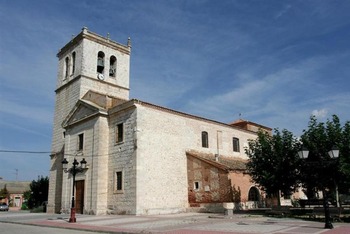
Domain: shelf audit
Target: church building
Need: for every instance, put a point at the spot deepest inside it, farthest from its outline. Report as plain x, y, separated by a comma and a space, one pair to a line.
141, 158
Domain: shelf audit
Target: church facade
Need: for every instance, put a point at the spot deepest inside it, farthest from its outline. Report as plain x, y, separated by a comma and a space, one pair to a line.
141, 158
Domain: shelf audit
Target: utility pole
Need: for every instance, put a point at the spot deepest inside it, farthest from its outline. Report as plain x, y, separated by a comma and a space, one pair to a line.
16, 174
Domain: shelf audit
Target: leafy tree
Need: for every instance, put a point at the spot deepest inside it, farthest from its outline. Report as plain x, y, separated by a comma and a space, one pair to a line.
344, 151
4, 193
38, 193
320, 172
273, 162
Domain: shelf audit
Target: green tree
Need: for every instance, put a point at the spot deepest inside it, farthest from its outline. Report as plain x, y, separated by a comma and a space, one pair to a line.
273, 162
38, 193
344, 148
4, 193
321, 172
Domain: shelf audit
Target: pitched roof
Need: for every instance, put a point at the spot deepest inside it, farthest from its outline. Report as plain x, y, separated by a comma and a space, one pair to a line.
224, 162
81, 111
132, 102
101, 103
248, 125
90, 105
15, 186
102, 100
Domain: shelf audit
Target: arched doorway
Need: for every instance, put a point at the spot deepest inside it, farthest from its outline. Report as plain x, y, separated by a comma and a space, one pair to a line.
254, 197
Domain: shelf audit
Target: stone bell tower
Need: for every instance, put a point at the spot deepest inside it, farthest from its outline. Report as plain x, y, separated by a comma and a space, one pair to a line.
87, 62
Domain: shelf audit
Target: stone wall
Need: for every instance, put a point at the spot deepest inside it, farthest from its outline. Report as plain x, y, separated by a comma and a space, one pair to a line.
122, 157
163, 138
89, 63
73, 87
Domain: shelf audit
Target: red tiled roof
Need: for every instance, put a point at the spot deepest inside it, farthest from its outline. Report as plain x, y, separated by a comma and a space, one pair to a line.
224, 162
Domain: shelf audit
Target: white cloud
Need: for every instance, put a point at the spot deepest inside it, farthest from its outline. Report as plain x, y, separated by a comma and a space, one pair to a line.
282, 98
212, 59
320, 113
41, 115
283, 11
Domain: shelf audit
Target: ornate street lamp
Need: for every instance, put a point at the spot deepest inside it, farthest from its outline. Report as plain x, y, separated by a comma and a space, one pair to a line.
334, 154
73, 170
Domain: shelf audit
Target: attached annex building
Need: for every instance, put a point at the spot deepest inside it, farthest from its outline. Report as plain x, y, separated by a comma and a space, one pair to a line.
141, 158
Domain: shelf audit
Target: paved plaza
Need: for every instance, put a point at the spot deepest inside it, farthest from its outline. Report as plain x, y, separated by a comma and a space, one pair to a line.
177, 223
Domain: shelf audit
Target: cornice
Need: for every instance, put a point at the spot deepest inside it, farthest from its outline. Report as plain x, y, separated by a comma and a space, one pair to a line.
87, 77
106, 41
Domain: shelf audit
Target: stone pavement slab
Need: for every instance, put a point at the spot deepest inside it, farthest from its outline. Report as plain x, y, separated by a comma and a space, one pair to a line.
189, 223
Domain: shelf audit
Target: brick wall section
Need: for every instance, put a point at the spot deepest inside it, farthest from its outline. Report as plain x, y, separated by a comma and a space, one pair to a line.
214, 183
242, 181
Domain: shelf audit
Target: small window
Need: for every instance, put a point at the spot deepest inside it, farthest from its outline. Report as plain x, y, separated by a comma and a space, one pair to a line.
66, 67
205, 140
73, 62
196, 185
100, 62
81, 141
119, 181
235, 142
112, 66
119, 135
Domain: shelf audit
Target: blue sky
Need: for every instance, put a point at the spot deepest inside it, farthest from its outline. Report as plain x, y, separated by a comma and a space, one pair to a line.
272, 62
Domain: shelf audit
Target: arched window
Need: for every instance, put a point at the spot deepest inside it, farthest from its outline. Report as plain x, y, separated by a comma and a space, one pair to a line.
100, 62
112, 66
73, 62
66, 67
205, 143
253, 194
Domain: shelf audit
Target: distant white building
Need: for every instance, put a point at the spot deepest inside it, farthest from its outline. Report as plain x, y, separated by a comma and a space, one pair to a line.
141, 158
16, 190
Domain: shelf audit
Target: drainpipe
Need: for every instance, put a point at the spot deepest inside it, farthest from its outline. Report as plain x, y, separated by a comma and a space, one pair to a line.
217, 147
92, 165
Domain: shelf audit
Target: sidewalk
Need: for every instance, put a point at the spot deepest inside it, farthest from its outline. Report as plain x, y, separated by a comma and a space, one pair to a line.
191, 223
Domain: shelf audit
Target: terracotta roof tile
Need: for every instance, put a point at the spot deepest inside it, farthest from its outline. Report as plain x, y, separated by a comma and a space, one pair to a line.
224, 162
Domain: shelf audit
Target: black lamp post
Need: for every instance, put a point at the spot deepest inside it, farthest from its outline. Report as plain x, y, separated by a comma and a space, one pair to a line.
334, 154
73, 170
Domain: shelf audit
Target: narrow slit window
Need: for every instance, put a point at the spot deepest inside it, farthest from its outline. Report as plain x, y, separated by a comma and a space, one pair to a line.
196, 185
81, 141
205, 143
119, 181
73, 62
119, 135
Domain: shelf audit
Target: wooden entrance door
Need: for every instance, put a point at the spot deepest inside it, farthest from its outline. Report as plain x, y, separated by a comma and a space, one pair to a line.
79, 196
